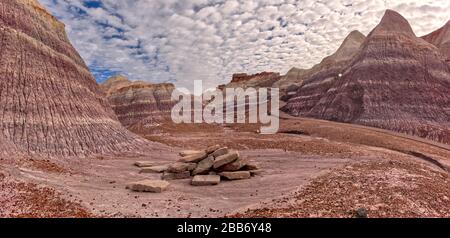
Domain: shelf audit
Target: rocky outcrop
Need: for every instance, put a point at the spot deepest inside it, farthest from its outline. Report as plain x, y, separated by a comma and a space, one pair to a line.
441, 39
134, 101
260, 80
49, 101
396, 81
113, 84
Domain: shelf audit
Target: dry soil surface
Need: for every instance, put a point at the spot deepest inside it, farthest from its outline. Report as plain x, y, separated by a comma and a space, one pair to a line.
311, 168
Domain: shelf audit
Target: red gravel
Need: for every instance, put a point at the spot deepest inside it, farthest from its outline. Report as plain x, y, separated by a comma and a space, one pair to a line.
26, 200
385, 189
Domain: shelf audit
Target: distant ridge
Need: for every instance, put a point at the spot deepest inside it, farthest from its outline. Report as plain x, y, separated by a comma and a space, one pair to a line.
441, 39
315, 81
134, 101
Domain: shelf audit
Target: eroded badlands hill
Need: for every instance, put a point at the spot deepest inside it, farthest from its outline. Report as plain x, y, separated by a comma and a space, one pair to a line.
441, 39
136, 101
49, 101
316, 81
396, 81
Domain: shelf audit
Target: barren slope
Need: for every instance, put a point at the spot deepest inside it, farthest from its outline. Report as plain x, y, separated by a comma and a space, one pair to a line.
49, 101
397, 81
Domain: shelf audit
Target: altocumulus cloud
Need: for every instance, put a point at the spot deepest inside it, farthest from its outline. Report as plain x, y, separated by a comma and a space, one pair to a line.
184, 40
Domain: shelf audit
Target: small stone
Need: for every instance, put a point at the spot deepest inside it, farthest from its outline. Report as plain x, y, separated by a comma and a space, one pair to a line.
204, 166
205, 180
152, 186
212, 149
186, 153
181, 167
236, 175
154, 169
256, 172
194, 158
220, 152
234, 166
361, 213
176, 176
142, 164
225, 159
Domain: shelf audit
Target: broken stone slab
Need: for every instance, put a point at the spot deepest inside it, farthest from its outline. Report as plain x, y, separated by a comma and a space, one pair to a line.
151, 186
212, 149
225, 159
205, 180
186, 153
251, 166
142, 164
204, 166
194, 158
192, 166
181, 167
220, 152
176, 176
234, 166
238, 175
154, 169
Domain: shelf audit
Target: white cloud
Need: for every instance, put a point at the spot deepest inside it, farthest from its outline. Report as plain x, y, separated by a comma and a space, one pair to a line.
185, 40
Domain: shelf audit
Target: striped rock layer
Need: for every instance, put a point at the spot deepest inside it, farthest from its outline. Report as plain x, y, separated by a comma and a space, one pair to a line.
291, 81
318, 79
260, 80
396, 81
136, 101
441, 39
49, 102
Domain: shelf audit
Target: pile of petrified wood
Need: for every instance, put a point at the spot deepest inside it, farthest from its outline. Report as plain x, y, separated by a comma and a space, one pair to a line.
205, 168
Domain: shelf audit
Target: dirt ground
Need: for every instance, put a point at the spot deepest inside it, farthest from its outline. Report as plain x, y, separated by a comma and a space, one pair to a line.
310, 169
383, 188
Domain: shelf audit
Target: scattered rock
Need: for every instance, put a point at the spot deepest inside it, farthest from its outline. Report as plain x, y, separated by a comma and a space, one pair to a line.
154, 169
152, 186
205, 180
194, 158
234, 166
204, 166
186, 153
220, 152
176, 176
225, 159
361, 213
142, 164
238, 175
181, 167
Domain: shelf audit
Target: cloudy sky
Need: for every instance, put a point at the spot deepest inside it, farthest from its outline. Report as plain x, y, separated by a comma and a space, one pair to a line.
184, 40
